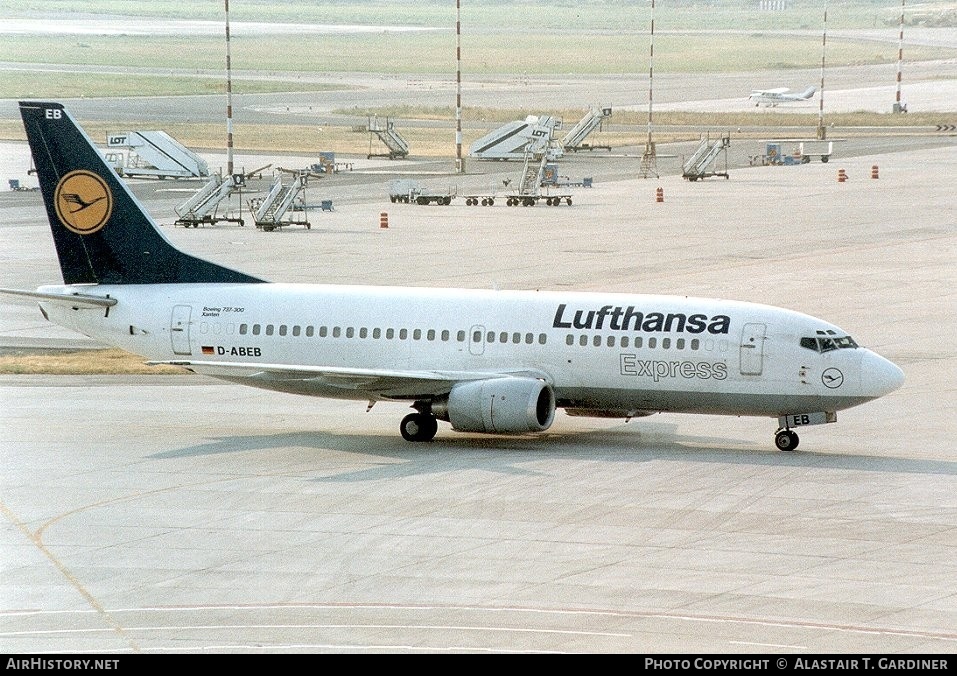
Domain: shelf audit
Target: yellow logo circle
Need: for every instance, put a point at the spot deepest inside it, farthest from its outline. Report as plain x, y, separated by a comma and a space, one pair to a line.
83, 202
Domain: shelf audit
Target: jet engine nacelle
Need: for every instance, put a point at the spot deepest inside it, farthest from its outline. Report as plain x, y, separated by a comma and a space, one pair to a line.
509, 405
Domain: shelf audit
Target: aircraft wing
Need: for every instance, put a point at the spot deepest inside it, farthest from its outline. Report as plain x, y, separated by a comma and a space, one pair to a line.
68, 299
376, 383
779, 90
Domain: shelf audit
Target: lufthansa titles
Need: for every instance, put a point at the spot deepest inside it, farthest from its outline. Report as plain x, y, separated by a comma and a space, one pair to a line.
618, 318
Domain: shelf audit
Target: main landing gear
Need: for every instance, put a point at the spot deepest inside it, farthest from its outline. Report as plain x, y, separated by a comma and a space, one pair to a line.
786, 440
419, 427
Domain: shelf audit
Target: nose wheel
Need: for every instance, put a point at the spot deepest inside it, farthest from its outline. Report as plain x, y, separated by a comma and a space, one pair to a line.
419, 427
786, 440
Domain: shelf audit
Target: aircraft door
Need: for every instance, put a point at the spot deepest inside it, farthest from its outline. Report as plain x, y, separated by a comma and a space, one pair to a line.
752, 349
179, 329
477, 340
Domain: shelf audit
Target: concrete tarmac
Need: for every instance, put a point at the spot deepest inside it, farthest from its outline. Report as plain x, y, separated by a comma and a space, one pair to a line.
180, 514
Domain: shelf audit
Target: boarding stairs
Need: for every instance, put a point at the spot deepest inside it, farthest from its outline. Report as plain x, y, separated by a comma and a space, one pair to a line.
201, 207
533, 173
268, 211
157, 154
698, 165
538, 155
398, 146
593, 119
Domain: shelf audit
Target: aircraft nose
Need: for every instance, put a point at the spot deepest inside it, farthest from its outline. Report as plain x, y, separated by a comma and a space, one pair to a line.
879, 376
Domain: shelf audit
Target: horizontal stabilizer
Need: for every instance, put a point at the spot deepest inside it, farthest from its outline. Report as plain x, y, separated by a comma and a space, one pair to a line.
70, 299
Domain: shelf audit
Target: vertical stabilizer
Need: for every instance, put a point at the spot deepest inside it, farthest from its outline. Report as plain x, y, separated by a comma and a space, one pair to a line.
103, 235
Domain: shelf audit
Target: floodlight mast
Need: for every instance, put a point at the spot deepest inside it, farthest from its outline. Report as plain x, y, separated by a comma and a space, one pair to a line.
821, 130
229, 101
649, 160
459, 162
898, 106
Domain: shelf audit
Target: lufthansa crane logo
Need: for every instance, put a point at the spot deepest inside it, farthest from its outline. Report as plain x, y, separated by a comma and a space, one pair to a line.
832, 378
83, 202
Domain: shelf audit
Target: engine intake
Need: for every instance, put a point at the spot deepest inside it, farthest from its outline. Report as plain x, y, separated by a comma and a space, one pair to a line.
508, 405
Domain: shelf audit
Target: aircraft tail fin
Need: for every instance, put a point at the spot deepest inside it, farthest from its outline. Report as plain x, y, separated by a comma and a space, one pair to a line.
808, 93
101, 231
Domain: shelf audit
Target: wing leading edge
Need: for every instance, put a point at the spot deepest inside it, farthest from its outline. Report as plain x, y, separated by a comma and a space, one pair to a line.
374, 383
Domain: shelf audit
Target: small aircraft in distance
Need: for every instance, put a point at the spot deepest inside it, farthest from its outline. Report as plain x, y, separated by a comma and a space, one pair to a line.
497, 362
772, 97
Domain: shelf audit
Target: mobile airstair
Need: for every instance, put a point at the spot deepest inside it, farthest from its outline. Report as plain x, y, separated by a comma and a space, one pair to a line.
537, 157
574, 139
204, 205
156, 154
398, 147
268, 211
700, 164
511, 140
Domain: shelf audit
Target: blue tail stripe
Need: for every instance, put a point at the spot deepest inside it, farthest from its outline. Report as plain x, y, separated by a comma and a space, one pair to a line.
101, 231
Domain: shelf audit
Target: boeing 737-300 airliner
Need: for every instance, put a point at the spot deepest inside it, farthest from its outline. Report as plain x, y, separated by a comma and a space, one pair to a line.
484, 361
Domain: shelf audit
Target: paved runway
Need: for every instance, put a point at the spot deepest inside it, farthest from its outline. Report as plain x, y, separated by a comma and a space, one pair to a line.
179, 514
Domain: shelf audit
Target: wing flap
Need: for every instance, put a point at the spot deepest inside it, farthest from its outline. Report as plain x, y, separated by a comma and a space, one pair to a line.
380, 382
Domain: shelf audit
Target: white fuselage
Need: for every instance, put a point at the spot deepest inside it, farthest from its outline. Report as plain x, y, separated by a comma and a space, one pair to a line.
620, 353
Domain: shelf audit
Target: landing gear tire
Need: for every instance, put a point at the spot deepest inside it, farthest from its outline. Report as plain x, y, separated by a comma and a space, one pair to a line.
418, 427
786, 440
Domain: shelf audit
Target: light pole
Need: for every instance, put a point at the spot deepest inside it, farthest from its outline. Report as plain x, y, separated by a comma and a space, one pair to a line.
649, 160
229, 102
821, 130
898, 106
459, 161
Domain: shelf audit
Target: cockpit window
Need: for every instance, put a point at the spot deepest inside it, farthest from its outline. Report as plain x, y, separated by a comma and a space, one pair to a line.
822, 344
846, 341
